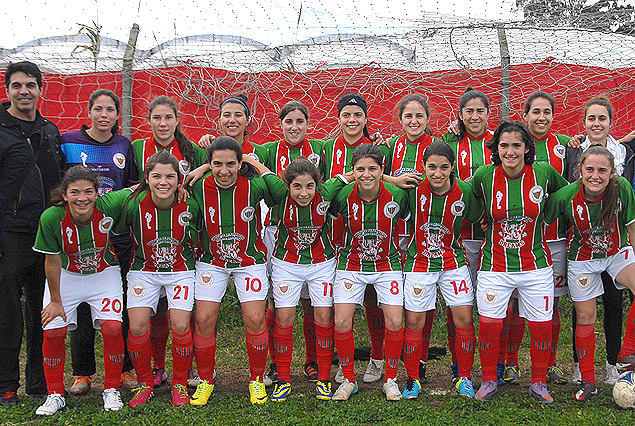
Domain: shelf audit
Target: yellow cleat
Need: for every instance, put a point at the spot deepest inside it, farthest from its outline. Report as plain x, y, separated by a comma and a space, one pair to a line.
257, 392
203, 391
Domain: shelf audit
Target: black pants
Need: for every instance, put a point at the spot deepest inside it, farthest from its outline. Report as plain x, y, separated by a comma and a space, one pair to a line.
83, 337
21, 273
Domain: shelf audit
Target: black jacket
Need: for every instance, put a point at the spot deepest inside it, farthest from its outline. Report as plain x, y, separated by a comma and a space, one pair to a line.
30, 166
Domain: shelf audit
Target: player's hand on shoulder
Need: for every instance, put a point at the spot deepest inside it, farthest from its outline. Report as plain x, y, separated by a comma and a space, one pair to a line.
575, 141
206, 140
378, 139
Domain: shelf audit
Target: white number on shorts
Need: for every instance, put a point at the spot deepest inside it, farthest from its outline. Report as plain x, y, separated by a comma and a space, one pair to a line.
559, 281
177, 293
253, 283
328, 289
107, 305
394, 287
462, 287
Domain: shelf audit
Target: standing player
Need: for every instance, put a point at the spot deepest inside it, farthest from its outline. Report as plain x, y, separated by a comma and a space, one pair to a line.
513, 256
163, 261
80, 267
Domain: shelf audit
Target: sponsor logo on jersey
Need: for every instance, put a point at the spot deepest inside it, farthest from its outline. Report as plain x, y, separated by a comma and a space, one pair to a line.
106, 224
283, 162
148, 217
184, 167
369, 241
227, 246
254, 156
84, 157
338, 156
69, 234
583, 281
206, 278
184, 218
211, 212
88, 259
391, 209
315, 159
536, 194
248, 213
560, 151
303, 236
513, 231
323, 207
347, 285
432, 243
138, 290
355, 209
403, 171
579, 209
119, 160
490, 296
417, 290
499, 198
463, 157
283, 288
458, 207
164, 251
422, 201
599, 240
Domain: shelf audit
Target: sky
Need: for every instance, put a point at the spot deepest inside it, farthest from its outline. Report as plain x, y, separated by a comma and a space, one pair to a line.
272, 22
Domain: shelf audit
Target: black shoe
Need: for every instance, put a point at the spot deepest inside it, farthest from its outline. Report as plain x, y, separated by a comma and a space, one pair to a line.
311, 371
8, 398
423, 379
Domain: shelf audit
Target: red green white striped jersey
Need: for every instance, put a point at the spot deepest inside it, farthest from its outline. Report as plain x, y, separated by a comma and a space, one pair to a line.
146, 148
162, 238
588, 239
437, 219
231, 218
371, 228
84, 249
255, 151
515, 208
337, 154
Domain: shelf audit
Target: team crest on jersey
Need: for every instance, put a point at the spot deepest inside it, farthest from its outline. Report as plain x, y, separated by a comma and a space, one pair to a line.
458, 207
347, 285
283, 162
560, 151
184, 167
283, 288
513, 231
417, 290
184, 218
600, 241
536, 194
369, 244
227, 247
119, 160
248, 213
138, 290
490, 296
338, 156
164, 251
106, 224
499, 198
254, 156
206, 278
583, 281
69, 234
422, 201
323, 207
88, 259
391, 209
463, 157
432, 243
315, 159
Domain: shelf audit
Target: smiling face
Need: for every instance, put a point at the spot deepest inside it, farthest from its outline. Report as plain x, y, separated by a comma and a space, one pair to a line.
163, 120
103, 114
352, 121
368, 174
512, 150
23, 91
80, 196
597, 123
414, 120
163, 181
225, 167
233, 120
596, 173
302, 189
294, 126
474, 115
539, 118
438, 169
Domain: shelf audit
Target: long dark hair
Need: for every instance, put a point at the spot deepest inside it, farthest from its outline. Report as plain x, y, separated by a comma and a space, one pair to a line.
105, 92
73, 174
467, 96
512, 127
612, 191
302, 166
415, 97
222, 143
161, 157
185, 146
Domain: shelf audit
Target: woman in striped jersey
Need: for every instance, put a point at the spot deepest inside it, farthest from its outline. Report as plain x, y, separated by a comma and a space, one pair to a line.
369, 256
513, 191
80, 267
438, 206
601, 209
163, 261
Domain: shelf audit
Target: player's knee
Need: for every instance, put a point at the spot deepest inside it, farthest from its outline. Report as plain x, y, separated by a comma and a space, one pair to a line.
110, 328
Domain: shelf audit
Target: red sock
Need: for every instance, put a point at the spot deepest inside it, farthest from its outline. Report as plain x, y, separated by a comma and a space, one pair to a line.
376, 327
345, 345
585, 348
425, 335
394, 346
257, 352
113, 353
283, 349
54, 351
412, 352
449, 325
489, 333
182, 346
324, 349
159, 332
140, 353
516, 334
465, 349
205, 353
308, 326
628, 345
555, 337
504, 337
270, 322
540, 350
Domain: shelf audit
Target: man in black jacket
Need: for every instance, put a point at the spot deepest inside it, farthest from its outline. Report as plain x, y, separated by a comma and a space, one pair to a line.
30, 166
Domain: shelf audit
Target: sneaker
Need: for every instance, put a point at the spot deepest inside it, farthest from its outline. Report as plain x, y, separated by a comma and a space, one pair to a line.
391, 390
159, 376
585, 391
487, 391
8, 398
373, 371
576, 376
412, 389
345, 390
611, 374
464, 386
112, 399
556, 375
423, 378
54, 402
281, 391
257, 391
626, 363
81, 386
339, 376
455, 371
511, 374
142, 394
539, 391
271, 378
323, 390
311, 371
500, 371
128, 380
179, 395
203, 391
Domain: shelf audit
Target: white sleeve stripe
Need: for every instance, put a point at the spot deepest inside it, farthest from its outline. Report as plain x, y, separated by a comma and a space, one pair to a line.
46, 252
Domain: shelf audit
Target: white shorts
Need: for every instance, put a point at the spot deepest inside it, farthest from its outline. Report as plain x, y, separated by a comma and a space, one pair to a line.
102, 291
349, 287
559, 253
144, 289
585, 275
289, 279
535, 293
269, 238
420, 289
251, 282
472, 251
